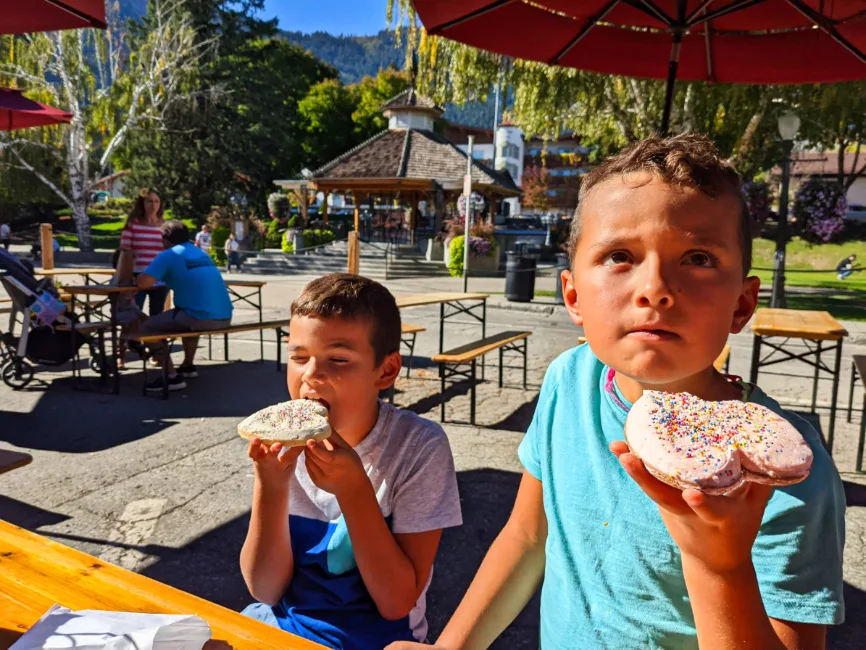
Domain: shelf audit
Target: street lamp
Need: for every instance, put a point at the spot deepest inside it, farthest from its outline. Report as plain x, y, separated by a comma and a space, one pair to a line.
789, 124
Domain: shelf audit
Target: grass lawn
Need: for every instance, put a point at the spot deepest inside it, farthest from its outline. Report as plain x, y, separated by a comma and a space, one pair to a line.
802, 256
105, 233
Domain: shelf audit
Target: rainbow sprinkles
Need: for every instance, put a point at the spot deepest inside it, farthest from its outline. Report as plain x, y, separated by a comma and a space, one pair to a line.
714, 446
290, 423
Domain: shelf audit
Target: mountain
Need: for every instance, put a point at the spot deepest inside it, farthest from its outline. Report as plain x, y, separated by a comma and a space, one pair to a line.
354, 56
358, 56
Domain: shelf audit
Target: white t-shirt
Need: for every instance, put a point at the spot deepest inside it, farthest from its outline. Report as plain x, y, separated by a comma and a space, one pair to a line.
5, 231
409, 463
202, 240
232, 245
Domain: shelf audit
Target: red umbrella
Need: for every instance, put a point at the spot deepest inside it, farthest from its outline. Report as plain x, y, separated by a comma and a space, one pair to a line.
20, 16
736, 41
18, 112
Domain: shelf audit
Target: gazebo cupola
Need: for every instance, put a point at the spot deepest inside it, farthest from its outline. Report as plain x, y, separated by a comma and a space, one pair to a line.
409, 110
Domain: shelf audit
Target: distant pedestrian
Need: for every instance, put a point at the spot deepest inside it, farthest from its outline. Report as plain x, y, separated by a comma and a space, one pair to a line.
203, 239
232, 255
5, 235
845, 267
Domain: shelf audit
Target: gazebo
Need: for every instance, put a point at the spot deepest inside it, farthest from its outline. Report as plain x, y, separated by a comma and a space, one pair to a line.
409, 160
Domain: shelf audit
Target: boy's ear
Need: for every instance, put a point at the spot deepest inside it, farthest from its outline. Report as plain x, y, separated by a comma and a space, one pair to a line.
746, 304
389, 370
569, 295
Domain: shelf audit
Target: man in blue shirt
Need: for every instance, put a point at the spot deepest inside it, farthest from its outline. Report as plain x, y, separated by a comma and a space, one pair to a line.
201, 299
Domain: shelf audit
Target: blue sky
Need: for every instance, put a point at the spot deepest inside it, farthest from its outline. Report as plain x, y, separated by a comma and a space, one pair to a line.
355, 17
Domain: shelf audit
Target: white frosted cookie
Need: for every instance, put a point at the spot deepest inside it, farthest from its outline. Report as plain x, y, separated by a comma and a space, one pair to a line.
714, 446
290, 423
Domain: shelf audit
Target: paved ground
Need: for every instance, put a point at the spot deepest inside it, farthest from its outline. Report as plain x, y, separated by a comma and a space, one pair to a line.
164, 487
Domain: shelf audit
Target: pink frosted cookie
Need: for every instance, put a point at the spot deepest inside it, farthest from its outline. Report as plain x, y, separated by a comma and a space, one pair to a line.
714, 446
290, 423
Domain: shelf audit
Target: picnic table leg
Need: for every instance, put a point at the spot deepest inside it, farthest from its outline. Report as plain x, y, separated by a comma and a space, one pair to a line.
815, 378
501, 351
441, 327
851, 390
483, 331
166, 355
261, 332
525, 360
860, 444
472, 395
209, 347
837, 369
756, 359
226, 346
442, 392
279, 349
112, 302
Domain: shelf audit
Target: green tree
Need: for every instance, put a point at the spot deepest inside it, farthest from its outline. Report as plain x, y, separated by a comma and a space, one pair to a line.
108, 91
191, 159
371, 93
326, 114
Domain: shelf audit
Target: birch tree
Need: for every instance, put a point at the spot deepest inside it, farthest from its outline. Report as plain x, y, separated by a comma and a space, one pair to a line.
109, 91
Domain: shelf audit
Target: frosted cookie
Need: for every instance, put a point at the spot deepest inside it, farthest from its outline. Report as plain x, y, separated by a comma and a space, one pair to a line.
714, 446
290, 423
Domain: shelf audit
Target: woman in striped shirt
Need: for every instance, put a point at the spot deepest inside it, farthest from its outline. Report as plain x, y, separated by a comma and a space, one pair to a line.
142, 235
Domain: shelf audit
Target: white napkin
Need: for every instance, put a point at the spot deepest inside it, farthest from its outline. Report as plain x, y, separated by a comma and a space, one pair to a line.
60, 627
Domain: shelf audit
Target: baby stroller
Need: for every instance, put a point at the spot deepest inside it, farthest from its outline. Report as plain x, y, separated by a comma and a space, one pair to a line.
40, 341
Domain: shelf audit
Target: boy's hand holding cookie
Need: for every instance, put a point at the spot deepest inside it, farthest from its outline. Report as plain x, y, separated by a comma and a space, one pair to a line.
716, 531
273, 463
334, 466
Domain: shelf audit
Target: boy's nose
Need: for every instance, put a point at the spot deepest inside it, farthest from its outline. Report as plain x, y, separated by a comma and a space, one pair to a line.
654, 288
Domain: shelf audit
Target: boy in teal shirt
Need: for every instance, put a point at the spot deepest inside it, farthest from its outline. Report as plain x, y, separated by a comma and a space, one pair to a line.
660, 251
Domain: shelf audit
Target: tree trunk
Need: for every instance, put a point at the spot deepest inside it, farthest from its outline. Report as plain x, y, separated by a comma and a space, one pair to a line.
438, 210
82, 225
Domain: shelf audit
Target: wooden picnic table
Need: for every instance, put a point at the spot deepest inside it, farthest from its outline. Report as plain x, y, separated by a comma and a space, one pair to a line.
36, 573
814, 329
10, 460
450, 306
253, 298
110, 293
83, 272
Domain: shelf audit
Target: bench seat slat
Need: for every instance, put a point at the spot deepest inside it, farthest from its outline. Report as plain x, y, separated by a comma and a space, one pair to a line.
241, 327
85, 328
473, 350
412, 328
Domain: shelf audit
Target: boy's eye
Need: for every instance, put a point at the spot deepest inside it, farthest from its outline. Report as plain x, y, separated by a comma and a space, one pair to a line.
339, 361
699, 258
617, 257
298, 359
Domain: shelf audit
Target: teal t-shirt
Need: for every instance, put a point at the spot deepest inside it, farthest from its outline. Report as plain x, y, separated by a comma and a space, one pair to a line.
199, 288
613, 575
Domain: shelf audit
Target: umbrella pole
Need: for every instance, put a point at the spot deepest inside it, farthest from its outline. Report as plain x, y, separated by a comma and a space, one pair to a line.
673, 64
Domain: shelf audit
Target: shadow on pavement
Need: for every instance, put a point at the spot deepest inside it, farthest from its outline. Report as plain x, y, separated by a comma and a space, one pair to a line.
27, 516
208, 566
75, 421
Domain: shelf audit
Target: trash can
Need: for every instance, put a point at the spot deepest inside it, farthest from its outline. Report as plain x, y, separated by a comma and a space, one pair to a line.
561, 265
519, 277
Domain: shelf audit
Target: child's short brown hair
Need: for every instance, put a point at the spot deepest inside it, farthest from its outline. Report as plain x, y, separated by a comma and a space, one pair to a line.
353, 297
690, 160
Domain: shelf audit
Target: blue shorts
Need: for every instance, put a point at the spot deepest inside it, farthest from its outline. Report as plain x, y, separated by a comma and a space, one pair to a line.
261, 612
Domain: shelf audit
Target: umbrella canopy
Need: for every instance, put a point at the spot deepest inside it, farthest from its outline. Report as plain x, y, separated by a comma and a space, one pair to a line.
18, 112
20, 16
735, 41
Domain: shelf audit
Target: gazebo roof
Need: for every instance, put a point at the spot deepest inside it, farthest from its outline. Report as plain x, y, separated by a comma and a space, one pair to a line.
416, 159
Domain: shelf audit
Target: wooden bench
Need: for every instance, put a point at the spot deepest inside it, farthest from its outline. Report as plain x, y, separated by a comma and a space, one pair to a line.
408, 334
10, 460
722, 362
452, 362
858, 373
279, 326
36, 572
